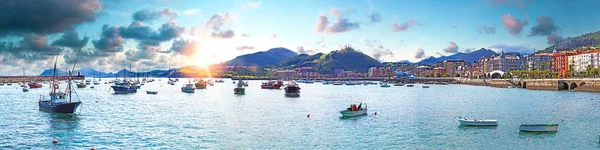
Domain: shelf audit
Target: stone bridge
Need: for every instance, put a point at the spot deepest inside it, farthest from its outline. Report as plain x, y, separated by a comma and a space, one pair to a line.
590, 85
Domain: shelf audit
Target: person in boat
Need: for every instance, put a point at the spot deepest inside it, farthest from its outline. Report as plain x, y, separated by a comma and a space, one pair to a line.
359, 106
354, 107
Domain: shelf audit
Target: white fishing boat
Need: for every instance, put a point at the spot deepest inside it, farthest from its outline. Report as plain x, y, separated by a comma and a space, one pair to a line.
538, 127
475, 122
354, 110
385, 85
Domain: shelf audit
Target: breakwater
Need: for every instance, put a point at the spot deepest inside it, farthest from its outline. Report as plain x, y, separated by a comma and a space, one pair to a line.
14, 79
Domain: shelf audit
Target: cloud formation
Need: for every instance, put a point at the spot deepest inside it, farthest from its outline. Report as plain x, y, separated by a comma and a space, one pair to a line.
514, 25
404, 26
70, 39
420, 54
191, 11
509, 48
248, 47
215, 26
544, 27
339, 25
452, 48
185, 47
374, 17
110, 39
487, 30
146, 15
45, 17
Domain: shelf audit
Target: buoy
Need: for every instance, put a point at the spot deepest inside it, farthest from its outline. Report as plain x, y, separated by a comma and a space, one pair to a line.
92, 148
308, 116
376, 117
96, 101
375, 113
494, 132
55, 141
527, 139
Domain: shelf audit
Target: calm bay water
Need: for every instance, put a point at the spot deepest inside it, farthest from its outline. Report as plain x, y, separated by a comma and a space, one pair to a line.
215, 118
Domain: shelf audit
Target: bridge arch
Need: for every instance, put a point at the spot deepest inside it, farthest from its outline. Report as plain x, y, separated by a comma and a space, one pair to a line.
496, 74
573, 86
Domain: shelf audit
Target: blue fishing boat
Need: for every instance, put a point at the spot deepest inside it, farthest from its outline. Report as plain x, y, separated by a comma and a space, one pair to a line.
188, 88
60, 102
124, 88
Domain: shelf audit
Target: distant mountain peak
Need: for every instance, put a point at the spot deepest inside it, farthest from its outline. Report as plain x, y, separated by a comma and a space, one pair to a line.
468, 57
272, 56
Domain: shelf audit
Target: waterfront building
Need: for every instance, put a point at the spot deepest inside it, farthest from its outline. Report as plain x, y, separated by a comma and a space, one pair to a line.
541, 61
505, 62
423, 71
286, 74
379, 72
454, 67
560, 62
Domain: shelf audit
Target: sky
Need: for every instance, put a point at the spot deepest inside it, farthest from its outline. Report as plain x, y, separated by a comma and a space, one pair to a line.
158, 34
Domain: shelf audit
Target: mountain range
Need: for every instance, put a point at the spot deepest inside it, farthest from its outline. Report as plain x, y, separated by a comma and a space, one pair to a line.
269, 57
468, 57
90, 72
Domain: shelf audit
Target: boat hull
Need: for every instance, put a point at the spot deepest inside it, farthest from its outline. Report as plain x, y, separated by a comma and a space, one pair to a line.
67, 108
124, 90
539, 128
187, 90
349, 113
151, 92
478, 122
239, 91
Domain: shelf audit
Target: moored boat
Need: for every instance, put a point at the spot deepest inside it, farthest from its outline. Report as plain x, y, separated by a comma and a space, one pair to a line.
337, 83
272, 85
410, 85
200, 84
239, 89
475, 122
325, 83
25, 89
151, 92
188, 88
354, 110
399, 84
384, 85
123, 88
425, 86
60, 102
292, 89
34, 85
220, 81
81, 85
538, 127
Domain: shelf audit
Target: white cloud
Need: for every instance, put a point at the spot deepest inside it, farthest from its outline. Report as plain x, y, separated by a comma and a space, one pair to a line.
252, 4
192, 11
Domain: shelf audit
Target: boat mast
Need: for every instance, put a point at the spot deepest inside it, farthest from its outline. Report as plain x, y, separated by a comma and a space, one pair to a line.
83, 40
54, 73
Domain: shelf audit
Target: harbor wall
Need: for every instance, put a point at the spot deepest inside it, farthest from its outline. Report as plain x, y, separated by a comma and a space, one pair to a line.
474, 82
585, 85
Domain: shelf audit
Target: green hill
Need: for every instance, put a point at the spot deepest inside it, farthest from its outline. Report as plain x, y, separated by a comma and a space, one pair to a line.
586, 40
299, 60
270, 57
347, 59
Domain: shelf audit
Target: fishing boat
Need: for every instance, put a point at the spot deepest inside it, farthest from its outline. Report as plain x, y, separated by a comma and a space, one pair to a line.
123, 87
399, 84
354, 110
171, 82
384, 85
309, 81
350, 83
88, 82
272, 84
1, 83
337, 83
220, 81
475, 122
410, 85
292, 89
151, 92
246, 83
210, 82
325, 83
60, 102
34, 85
538, 127
188, 88
9, 84
81, 85
25, 89
200, 84
239, 89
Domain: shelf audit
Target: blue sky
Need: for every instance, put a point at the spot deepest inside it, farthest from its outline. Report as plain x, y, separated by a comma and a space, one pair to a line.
385, 29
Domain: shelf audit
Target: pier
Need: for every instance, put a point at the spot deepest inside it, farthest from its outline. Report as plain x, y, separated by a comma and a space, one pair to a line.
582, 84
15, 79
